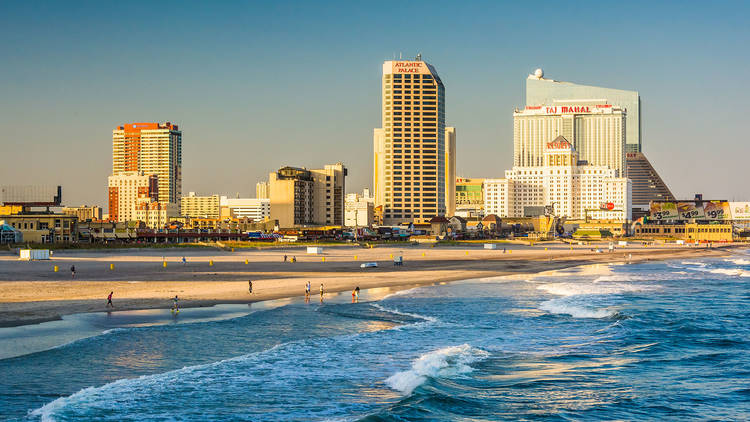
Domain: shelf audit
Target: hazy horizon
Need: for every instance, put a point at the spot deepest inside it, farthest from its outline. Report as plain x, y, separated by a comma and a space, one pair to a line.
254, 88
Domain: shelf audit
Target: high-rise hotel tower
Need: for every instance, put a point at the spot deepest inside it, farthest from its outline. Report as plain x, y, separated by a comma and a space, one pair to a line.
410, 149
154, 149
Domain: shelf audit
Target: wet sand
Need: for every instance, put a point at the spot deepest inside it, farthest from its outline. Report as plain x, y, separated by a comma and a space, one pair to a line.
31, 292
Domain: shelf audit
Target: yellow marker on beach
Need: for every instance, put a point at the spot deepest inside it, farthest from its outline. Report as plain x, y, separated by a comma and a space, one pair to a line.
164, 264
391, 255
355, 257
55, 268
545, 249
422, 253
324, 259
210, 262
510, 251
112, 266
467, 252
246, 262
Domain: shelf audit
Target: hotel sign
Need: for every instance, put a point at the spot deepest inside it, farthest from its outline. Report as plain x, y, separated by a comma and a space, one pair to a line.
409, 67
570, 109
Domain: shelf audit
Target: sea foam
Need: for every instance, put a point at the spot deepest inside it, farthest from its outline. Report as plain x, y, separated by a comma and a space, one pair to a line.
556, 306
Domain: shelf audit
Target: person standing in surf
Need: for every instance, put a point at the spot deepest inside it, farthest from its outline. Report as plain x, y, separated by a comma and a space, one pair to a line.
321, 292
307, 289
175, 305
109, 300
250, 286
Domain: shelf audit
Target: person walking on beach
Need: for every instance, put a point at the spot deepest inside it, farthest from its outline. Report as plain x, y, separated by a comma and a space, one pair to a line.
72, 271
184, 261
109, 300
321, 292
307, 289
175, 305
284, 258
250, 286
294, 259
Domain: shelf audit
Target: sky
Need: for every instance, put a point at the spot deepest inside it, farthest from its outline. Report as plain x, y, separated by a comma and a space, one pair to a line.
258, 85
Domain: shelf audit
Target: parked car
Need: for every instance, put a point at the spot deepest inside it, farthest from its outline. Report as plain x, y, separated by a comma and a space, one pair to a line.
369, 265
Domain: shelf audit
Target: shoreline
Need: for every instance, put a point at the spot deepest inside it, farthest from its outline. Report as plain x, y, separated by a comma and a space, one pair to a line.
227, 285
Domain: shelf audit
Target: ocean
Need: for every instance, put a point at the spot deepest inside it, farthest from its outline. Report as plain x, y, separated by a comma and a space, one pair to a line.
648, 341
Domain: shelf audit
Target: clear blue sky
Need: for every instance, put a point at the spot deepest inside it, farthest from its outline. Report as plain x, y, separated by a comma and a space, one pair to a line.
258, 85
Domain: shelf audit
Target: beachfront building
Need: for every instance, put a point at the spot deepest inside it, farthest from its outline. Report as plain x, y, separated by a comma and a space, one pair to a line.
156, 215
126, 189
261, 190
359, 210
84, 213
194, 206
253, 208
308, 197
594, 128
151, 148
549, 92
43, 227
562, 185
469, 197
410, 151
694, 232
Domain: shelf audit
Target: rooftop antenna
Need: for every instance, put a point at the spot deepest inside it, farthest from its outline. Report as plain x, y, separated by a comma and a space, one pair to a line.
399, 55
419, 57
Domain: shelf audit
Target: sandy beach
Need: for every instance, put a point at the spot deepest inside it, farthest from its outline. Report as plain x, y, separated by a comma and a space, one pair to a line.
31, 292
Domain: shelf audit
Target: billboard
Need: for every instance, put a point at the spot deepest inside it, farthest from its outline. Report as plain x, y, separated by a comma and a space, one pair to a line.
664, 210
716, 210
694, 210
690, 210
740, 210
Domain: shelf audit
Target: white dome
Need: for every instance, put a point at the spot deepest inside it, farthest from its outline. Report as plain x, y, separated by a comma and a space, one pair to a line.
539, 73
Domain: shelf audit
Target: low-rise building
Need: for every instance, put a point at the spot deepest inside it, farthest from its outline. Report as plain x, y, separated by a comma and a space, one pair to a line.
84, 213
156, 215
701, 232
44, 227
254, 208
194, 206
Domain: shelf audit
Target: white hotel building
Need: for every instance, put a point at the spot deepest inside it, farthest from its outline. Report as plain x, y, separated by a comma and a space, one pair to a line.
594, 128
575, 189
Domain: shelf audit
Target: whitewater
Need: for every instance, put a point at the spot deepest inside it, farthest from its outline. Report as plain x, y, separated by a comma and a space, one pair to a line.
648, 341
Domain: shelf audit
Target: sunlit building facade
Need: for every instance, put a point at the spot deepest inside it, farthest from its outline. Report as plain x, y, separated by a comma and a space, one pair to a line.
410, 148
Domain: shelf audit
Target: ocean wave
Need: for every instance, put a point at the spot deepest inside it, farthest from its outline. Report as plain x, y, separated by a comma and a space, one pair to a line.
403, 292
733, 272
442, 363
575, 289
556, 306
738, 261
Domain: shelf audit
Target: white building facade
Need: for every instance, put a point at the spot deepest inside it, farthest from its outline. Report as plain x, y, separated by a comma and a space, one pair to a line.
572, 188
257, 209
359, 210
595, 129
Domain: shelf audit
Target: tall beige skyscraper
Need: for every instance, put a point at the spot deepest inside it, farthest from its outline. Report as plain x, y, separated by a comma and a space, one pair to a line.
410, 149
154, 149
